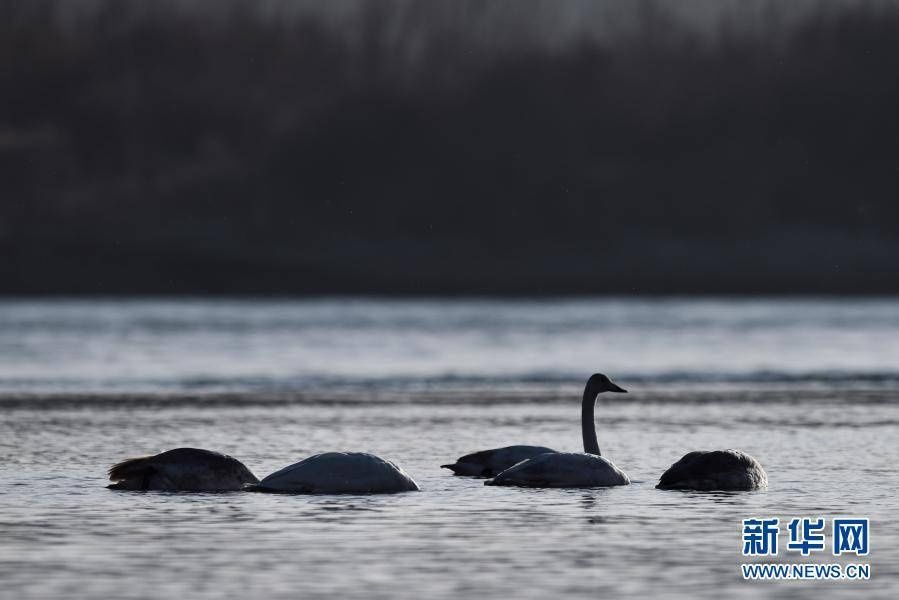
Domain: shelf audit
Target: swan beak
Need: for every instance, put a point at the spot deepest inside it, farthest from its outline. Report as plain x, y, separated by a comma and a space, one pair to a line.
615, 388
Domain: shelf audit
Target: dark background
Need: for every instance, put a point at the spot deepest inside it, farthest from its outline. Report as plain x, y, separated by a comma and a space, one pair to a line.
449, 147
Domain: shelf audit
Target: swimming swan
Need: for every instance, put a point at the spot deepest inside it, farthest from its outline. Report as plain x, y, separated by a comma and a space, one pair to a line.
338, 473
715, 470
181, 469
570, 469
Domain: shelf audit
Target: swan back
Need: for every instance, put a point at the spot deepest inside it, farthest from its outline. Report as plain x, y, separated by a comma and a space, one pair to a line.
562, 469
715, 470
339, 473
488, 463
181, 469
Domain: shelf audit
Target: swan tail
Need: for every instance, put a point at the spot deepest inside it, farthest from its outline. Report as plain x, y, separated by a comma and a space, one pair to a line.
130, 469
471, 470
121, 485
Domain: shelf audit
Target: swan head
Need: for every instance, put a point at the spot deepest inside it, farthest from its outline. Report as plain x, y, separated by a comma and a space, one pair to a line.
599, 383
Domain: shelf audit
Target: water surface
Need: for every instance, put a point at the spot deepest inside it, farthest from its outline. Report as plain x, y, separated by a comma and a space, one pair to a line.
808, 387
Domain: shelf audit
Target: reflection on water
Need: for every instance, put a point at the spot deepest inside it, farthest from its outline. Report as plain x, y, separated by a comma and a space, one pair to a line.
62, 534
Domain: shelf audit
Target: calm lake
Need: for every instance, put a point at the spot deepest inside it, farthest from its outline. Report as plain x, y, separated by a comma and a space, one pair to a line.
809, 387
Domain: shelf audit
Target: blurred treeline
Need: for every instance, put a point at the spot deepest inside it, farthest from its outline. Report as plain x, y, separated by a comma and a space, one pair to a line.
149, 149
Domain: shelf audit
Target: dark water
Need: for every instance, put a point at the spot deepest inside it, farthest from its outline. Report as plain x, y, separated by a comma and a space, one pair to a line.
808, 387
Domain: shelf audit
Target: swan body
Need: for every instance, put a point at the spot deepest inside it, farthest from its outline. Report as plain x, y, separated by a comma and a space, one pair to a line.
181, 469
570, 469
488, 463
338, 473
715, 470
562, 470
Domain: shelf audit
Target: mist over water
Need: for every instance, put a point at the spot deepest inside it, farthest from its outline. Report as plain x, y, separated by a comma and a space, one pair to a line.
89, 346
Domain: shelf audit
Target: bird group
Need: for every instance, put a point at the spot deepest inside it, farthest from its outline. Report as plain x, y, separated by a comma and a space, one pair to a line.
192, 469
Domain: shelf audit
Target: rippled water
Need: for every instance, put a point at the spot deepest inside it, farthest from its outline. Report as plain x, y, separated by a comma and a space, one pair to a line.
95, 345
84, 385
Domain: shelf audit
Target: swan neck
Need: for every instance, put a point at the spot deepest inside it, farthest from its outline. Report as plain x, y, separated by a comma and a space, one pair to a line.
588, 426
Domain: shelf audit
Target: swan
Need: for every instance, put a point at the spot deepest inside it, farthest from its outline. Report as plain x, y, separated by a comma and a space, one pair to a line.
570, 469
181, 469
338, 473
715, 470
